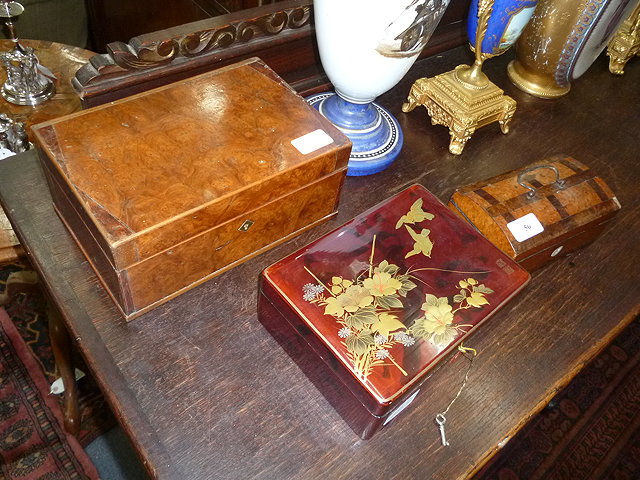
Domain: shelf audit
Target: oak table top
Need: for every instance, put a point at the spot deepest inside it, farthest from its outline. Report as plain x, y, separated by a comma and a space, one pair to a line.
205, 392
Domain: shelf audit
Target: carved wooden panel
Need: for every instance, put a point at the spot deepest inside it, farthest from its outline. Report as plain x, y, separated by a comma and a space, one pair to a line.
120, 20
161, 57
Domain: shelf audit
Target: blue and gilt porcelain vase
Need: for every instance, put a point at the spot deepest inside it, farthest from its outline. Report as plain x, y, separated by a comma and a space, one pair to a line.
506, 23
366, 47
562, 40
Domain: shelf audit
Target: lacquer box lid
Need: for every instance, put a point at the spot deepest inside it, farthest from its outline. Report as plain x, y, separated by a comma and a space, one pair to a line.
391, 292
157, 168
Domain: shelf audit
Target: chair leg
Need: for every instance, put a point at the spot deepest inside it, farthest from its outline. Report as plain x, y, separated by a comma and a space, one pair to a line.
61, 345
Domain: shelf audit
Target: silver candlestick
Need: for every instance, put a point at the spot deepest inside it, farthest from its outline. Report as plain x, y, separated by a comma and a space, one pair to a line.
13, 136
25, 84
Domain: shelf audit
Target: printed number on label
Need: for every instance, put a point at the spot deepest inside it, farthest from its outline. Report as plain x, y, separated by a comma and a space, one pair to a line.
525, 227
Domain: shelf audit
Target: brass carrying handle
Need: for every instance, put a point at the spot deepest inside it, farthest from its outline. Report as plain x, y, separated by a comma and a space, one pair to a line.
532, 190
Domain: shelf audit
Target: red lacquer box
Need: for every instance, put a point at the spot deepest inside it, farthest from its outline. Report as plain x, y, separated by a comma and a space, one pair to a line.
369, 310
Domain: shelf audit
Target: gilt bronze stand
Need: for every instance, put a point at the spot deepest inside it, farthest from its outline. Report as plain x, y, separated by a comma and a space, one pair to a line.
464, 99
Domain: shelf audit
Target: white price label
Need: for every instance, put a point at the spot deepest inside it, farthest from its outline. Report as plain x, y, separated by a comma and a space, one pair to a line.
525, 227
399, 409
4, 153
312, 141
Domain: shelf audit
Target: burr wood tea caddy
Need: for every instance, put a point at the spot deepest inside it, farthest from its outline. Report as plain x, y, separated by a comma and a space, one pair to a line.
540, 212
167, 188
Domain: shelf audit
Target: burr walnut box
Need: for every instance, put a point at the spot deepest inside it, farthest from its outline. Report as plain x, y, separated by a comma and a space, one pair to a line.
369, 310
167, 188
539, 212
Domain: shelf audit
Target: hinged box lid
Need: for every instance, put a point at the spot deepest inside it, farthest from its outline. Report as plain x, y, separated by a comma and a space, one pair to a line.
391, 292
155, 169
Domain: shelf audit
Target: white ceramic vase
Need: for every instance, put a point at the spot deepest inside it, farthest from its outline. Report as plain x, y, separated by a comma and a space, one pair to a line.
366, 47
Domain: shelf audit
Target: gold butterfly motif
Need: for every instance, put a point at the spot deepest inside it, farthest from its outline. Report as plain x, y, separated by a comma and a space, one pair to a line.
415, 215
423, 244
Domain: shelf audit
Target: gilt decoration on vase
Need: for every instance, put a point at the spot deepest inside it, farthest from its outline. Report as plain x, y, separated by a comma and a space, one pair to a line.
366, 47
562, 40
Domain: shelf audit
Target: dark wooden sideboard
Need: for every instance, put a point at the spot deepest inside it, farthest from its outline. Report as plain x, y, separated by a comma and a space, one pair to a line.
120, 20
280, 33
205, 392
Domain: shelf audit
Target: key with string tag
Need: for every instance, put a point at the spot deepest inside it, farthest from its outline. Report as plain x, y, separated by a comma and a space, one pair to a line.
440, 420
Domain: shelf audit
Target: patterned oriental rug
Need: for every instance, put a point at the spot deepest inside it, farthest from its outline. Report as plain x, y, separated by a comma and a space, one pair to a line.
27, 312
33, 442
591, 430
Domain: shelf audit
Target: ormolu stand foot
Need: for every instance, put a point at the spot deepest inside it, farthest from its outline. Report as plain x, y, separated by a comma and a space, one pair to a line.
462, 107
625, 43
